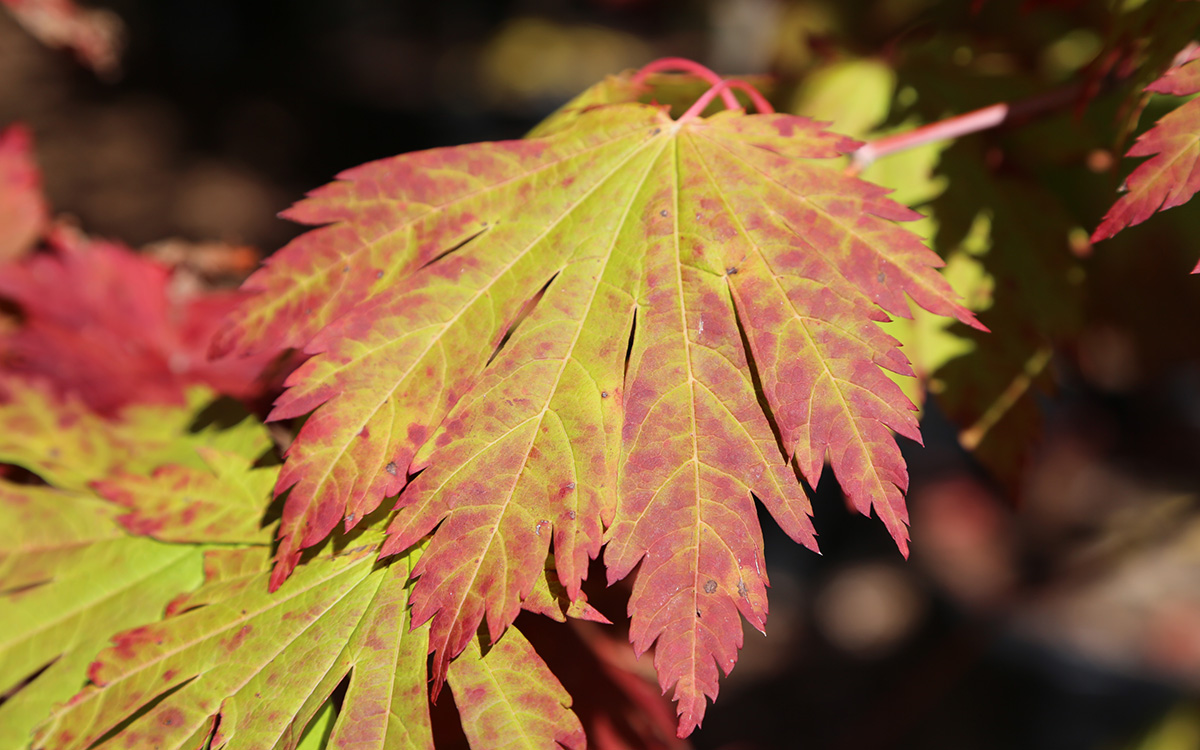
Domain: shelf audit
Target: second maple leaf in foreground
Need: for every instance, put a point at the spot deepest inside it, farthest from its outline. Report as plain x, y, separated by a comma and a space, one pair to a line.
642, 273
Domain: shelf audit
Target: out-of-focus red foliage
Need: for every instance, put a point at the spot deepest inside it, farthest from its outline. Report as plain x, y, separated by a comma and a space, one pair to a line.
620, 708
23, 212
103, 322
94, 35
98, 320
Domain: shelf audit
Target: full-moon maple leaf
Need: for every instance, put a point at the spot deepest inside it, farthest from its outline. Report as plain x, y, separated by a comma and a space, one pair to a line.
617, 332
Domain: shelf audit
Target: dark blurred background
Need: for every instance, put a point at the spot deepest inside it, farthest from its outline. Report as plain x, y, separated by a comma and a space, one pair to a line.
1055, 608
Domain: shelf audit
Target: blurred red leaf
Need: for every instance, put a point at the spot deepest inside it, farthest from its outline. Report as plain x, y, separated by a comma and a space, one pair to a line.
107, 324
23, 212
94, 35
619, 708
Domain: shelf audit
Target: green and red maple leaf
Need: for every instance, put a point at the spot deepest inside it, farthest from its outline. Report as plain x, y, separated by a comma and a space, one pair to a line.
618, 332
141, 489
230, 664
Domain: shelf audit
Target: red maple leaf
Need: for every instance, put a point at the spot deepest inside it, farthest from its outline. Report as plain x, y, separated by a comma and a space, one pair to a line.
1172, 175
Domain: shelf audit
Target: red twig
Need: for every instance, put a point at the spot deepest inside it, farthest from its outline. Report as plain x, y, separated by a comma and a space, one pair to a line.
965, 124
988, 117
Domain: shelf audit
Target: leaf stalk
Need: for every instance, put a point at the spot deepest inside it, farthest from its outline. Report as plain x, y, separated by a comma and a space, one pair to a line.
722, 87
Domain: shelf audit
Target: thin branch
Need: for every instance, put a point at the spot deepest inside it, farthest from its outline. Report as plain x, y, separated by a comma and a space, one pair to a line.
986, 118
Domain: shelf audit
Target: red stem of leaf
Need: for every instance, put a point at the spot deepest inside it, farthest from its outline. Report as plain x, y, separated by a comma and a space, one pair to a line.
684, 65
723, 88
678, 65
761, 105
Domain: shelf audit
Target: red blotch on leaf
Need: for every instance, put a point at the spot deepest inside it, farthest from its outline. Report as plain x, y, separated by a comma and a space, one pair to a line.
171, 717
238, 639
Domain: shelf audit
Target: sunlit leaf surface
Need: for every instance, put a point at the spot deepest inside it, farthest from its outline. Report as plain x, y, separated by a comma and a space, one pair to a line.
620, 332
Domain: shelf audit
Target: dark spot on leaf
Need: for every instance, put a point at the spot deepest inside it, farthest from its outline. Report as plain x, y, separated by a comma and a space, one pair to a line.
391, 468
742, 589
350, 519
664, 212
379, 274
537, 529
881, 277
656, 131
710, 586
731, 271
345, 269
571, 514
570, 485
697, 614
603, 394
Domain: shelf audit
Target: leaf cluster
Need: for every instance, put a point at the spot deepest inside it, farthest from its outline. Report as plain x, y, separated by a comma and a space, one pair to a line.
514, 365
